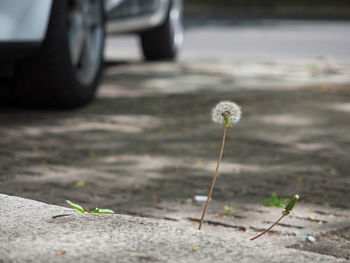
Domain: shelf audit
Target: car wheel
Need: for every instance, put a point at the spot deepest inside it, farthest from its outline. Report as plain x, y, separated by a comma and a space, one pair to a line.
64, 72
165, 41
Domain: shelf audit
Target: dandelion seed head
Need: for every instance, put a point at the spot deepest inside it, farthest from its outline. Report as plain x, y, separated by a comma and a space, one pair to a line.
226, 112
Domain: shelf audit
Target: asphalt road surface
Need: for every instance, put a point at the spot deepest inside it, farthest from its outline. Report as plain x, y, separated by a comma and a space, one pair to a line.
254, 39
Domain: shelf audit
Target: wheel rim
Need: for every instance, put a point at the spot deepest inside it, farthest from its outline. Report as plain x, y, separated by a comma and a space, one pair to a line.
176, 25
85, 38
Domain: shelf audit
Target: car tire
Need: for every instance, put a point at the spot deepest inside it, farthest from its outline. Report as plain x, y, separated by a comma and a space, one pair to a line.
53, 76
164, 41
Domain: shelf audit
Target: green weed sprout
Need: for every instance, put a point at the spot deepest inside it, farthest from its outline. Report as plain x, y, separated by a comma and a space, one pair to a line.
225, 113
96, 211
274, 200
227, 209
286, 211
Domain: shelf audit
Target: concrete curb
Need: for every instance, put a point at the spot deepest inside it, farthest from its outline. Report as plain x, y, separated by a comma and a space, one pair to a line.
38, 232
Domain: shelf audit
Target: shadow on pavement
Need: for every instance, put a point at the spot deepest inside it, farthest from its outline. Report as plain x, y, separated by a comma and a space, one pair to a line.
146, 150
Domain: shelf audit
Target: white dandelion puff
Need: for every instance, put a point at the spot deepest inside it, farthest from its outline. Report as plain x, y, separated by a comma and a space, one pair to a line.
226, 112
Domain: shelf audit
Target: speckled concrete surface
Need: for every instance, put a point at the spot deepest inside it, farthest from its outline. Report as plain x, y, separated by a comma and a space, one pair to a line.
32, 231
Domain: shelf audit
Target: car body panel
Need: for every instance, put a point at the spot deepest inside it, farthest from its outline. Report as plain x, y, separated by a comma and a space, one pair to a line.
23, 20
131, 8
23, 23
137, 16
27, 21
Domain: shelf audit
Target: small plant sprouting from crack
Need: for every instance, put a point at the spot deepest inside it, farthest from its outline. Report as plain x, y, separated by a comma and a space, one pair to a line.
274, 200
96, 211
227, 209
225, 113
286, 211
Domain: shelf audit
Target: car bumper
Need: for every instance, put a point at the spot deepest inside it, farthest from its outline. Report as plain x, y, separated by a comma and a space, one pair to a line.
23, 20
139, 23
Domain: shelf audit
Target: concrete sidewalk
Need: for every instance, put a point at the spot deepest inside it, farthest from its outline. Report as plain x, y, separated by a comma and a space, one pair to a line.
32, 231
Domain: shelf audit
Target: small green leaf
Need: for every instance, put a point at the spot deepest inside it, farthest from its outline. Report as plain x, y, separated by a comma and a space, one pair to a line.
310, 67
274, 200
76, 206
103, 211
227, 208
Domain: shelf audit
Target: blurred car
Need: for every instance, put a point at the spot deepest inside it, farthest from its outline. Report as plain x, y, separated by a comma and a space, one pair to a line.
53, 49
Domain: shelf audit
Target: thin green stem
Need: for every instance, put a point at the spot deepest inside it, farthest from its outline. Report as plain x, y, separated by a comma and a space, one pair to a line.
262, 233
214, 178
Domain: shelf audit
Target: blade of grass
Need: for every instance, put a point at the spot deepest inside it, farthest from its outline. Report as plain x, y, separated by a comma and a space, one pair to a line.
76, 206
102, 211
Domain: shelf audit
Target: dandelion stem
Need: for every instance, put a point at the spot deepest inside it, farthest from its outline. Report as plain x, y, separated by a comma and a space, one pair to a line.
214, 178
262, 233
